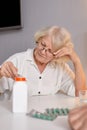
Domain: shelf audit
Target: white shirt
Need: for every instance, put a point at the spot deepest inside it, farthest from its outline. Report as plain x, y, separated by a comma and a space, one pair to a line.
50, 81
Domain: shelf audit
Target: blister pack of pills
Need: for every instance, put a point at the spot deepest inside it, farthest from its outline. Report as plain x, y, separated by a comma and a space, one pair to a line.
40, 115
58, 111
49, 114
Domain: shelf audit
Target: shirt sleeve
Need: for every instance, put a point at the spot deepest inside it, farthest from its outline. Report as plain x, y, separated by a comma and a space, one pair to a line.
67, 83
6, 83
18, 61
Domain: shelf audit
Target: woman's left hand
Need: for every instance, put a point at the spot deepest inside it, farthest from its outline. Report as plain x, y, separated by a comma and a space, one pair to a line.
66, 51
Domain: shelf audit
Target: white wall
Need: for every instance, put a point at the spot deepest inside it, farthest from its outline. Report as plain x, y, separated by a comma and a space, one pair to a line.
71, 14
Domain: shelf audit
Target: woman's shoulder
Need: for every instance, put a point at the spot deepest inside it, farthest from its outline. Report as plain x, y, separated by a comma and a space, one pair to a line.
20, 55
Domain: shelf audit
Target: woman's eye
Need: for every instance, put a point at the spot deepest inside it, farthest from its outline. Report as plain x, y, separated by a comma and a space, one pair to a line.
43, 44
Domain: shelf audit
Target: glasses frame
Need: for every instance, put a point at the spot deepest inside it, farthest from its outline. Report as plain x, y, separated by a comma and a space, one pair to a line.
42, 47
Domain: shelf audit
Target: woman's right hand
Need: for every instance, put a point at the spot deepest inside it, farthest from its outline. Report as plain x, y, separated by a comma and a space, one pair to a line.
8, 70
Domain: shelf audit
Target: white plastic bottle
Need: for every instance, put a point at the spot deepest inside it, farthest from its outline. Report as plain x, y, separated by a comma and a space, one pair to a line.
20, 96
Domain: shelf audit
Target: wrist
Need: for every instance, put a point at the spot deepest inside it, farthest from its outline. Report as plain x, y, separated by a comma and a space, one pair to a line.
77, 92
75, 59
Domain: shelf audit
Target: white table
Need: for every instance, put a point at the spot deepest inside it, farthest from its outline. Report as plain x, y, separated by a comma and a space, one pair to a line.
12, 121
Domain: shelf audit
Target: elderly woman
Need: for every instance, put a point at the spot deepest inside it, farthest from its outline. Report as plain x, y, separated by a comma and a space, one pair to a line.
45, 66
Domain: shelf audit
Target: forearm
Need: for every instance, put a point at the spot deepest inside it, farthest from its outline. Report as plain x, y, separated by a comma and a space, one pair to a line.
80, 79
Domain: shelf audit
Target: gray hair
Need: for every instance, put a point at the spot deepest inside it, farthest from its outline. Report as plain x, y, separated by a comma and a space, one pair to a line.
59, 38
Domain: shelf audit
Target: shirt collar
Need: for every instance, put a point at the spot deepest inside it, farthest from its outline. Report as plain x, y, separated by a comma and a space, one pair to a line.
29, 55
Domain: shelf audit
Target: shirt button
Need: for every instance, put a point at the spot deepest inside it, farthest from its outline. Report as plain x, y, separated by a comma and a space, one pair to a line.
40, 77
39, 92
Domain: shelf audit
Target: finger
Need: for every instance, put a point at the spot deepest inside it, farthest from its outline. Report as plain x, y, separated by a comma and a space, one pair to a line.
5, 73
78, 122
84, 126
62, 52
7, 69
79, 110
13, 70
55, 53
77, 117
68, 48
75, 125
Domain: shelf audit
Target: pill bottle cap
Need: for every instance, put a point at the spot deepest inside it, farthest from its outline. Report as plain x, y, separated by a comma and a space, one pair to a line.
20, 79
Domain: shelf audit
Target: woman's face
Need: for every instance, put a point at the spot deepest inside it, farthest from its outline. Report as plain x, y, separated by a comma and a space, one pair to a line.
43, 52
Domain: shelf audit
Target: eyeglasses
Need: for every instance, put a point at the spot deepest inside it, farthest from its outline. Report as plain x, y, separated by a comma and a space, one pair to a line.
42, 47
